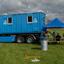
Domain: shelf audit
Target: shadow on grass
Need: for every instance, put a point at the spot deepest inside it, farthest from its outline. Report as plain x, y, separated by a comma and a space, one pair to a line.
36, 48
55, 43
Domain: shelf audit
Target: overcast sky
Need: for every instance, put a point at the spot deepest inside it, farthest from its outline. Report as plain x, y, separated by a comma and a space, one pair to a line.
51, 7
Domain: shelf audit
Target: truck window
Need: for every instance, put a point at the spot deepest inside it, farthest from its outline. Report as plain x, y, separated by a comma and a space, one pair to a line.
29, 19
9, 20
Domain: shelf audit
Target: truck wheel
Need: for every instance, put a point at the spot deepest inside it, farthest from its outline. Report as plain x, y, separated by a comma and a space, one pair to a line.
20, 39
29, 40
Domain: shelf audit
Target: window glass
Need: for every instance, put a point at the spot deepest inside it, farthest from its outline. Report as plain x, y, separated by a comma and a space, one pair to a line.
29, 18
9, 20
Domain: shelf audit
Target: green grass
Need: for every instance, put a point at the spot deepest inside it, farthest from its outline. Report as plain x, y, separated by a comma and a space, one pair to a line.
24, 53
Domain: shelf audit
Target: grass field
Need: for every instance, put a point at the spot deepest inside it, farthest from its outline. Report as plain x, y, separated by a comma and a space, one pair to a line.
24, 53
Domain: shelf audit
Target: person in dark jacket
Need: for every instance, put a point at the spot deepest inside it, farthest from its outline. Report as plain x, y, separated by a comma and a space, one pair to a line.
63, 36
58, 37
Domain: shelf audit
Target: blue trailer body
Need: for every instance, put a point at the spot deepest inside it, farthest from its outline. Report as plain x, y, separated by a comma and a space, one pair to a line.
20, 23
7, 38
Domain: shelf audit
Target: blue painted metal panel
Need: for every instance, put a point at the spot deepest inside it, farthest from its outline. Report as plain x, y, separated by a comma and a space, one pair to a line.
20, 24
7, 38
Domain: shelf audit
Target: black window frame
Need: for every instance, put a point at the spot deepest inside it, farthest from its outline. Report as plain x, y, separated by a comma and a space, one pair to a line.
30, 19
9, 20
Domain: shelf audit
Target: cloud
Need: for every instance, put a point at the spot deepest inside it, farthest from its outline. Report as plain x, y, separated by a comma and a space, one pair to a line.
48, 6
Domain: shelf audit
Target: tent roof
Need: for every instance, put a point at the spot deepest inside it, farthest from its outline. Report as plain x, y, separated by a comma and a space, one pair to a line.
56, 23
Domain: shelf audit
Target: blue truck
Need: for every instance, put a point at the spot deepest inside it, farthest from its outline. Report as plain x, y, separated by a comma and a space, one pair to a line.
21, 27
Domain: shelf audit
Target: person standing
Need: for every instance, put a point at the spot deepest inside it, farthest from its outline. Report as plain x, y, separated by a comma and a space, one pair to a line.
54, 35
58, 38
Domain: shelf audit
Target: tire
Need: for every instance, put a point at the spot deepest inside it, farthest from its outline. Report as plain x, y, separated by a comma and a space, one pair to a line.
20, 39
29, 40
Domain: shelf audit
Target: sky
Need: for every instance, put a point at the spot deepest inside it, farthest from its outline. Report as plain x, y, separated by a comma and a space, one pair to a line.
51, 7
